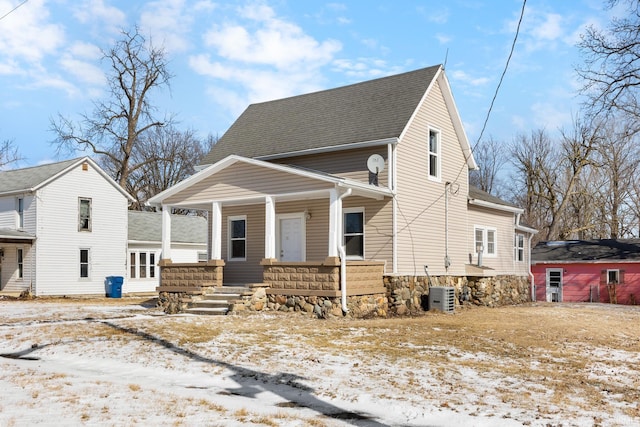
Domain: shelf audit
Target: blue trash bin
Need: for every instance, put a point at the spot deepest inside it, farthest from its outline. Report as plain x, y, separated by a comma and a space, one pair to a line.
114, 286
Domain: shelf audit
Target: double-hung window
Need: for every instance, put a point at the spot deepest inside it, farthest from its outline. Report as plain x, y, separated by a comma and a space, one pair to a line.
434, 154
20, 209
485, 239
84, 263
354, 233
518, 248
142, 265
84, 214
20, 256
238, 238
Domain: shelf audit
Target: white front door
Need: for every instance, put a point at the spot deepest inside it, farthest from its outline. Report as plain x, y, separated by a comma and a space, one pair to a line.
291, 241
554, 285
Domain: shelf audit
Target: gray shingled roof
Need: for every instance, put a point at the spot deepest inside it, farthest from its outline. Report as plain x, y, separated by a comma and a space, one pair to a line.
28, 178
147, 227
478, 194
368, 111
587, 250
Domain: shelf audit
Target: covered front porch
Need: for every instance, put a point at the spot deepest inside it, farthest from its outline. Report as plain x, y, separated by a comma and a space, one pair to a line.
277, 228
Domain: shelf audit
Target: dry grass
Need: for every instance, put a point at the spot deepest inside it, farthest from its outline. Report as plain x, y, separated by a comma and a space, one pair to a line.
540, 359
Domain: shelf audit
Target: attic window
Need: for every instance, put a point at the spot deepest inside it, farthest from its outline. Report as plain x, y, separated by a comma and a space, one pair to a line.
434, 154
85, 166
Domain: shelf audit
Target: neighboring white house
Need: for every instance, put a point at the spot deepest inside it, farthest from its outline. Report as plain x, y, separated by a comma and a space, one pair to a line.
188, 244
63, 229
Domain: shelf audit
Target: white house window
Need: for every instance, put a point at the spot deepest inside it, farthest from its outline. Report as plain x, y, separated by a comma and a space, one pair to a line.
142, 265
485, 241
84, 263
354, 233
152, 265
518, 248
238, 238
434, 154
613, 277
20, 256
20, 209
133, 265
84, 214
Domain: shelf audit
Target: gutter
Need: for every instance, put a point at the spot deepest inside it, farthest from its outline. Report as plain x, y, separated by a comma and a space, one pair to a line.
343, 260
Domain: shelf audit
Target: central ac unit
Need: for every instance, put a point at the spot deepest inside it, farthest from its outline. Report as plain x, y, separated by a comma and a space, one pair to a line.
442, 298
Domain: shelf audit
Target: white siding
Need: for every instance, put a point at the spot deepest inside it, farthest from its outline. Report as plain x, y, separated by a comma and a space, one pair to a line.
59, 241
179, 253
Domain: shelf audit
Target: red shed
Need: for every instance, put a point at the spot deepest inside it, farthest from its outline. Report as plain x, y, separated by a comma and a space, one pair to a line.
606, 270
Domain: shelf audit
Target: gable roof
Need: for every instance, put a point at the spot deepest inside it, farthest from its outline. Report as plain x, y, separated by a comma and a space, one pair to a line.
601, 250
27, 180
368, 112
147, 227
357, 186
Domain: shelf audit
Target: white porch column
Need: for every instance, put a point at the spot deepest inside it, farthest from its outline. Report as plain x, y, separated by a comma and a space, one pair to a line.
166, 232
335, 221
269, 228
216, 231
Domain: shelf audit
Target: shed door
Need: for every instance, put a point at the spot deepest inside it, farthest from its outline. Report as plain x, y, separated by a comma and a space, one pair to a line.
554, 284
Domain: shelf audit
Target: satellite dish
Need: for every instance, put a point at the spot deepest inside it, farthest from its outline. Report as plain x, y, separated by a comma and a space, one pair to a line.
375, 163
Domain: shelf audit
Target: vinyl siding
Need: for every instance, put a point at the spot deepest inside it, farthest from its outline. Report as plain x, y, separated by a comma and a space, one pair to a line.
249, 271
317, 227
421, 201
179, 253
9, 280
378, 232
503, 222
245, 181
351, 164
59, 241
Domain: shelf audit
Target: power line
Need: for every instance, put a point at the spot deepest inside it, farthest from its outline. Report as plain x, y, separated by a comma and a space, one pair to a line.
12, 10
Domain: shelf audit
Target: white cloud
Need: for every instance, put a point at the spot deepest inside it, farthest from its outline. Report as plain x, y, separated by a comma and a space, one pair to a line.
443, 38
26, 34
168, 22
465, 78
103, 17
268, 40
550, 116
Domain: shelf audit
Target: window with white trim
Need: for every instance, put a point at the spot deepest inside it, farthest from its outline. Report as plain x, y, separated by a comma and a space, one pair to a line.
238, 238
434, 154
84, 214
353, 237
20, 210
485, 239
20, 257
84, 263
613, 277
518, 247
142, 265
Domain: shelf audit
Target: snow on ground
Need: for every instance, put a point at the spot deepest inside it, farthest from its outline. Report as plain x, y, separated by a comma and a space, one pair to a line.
94, 364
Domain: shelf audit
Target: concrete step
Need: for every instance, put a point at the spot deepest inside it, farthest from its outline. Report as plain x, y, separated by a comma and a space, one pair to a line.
213, 311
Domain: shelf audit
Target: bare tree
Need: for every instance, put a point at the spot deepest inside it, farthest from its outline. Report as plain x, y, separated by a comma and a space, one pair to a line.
549, 179
611, 70
491, 158
8, 154
618, 156
177, 154
118, 124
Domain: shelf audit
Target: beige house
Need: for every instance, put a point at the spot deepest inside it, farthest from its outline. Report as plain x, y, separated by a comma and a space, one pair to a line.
345, 194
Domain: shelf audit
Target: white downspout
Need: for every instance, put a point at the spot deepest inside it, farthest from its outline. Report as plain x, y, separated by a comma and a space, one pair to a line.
533, 281
343, 257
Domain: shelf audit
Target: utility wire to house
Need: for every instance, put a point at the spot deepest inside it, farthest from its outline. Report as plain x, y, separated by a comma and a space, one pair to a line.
12, 10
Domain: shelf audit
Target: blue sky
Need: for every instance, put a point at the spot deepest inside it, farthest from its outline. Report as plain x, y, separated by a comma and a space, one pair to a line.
228, 54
